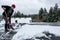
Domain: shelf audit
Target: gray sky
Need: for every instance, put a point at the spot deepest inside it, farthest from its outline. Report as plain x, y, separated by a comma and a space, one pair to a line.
29, 6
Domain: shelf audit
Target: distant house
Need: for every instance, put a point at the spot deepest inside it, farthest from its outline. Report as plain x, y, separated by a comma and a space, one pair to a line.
36, 18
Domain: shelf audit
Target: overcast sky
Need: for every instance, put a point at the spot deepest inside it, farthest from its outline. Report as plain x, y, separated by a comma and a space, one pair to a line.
29, 6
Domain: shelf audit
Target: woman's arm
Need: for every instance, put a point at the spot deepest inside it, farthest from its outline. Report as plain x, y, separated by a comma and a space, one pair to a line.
5, 6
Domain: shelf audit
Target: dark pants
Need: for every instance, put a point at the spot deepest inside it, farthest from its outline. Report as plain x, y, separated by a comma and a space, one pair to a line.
6, 23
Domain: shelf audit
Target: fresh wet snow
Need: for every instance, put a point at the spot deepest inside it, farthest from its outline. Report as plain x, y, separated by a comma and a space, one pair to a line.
26, 29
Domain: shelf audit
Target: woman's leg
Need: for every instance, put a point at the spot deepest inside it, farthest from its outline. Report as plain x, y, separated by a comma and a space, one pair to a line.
10, 25
6, 25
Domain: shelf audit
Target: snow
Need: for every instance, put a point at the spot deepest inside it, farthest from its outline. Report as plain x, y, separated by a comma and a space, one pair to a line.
31, 29
20, 20
28, 31
2, 22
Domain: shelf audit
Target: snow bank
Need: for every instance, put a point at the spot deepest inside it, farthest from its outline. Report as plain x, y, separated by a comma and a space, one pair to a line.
28, 31
20, 20
23, 20
2, 22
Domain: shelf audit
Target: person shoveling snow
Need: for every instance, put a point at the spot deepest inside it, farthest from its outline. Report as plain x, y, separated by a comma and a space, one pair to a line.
8, 11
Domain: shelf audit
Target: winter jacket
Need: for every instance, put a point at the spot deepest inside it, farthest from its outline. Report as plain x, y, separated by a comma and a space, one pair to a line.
9, 11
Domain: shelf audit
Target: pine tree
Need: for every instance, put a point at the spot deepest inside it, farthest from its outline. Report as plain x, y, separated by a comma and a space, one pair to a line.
50, 15
45, 11
40, 13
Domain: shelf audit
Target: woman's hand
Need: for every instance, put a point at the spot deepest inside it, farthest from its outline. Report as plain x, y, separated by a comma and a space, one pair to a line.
7, 18
4, 8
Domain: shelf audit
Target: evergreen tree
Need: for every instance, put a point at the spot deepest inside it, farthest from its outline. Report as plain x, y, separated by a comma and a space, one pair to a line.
50, 15
53, 14
56, 7
40, 13
45, 11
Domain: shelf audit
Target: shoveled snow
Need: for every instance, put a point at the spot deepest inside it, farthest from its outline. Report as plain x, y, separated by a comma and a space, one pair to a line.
2, 22
20, 20
28, 31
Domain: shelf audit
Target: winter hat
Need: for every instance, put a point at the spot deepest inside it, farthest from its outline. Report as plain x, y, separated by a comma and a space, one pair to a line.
13, 5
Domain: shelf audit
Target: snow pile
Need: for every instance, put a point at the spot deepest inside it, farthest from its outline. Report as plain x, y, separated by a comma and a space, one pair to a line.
44, 36
20, 20
2, 22
23, 20
28, 31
